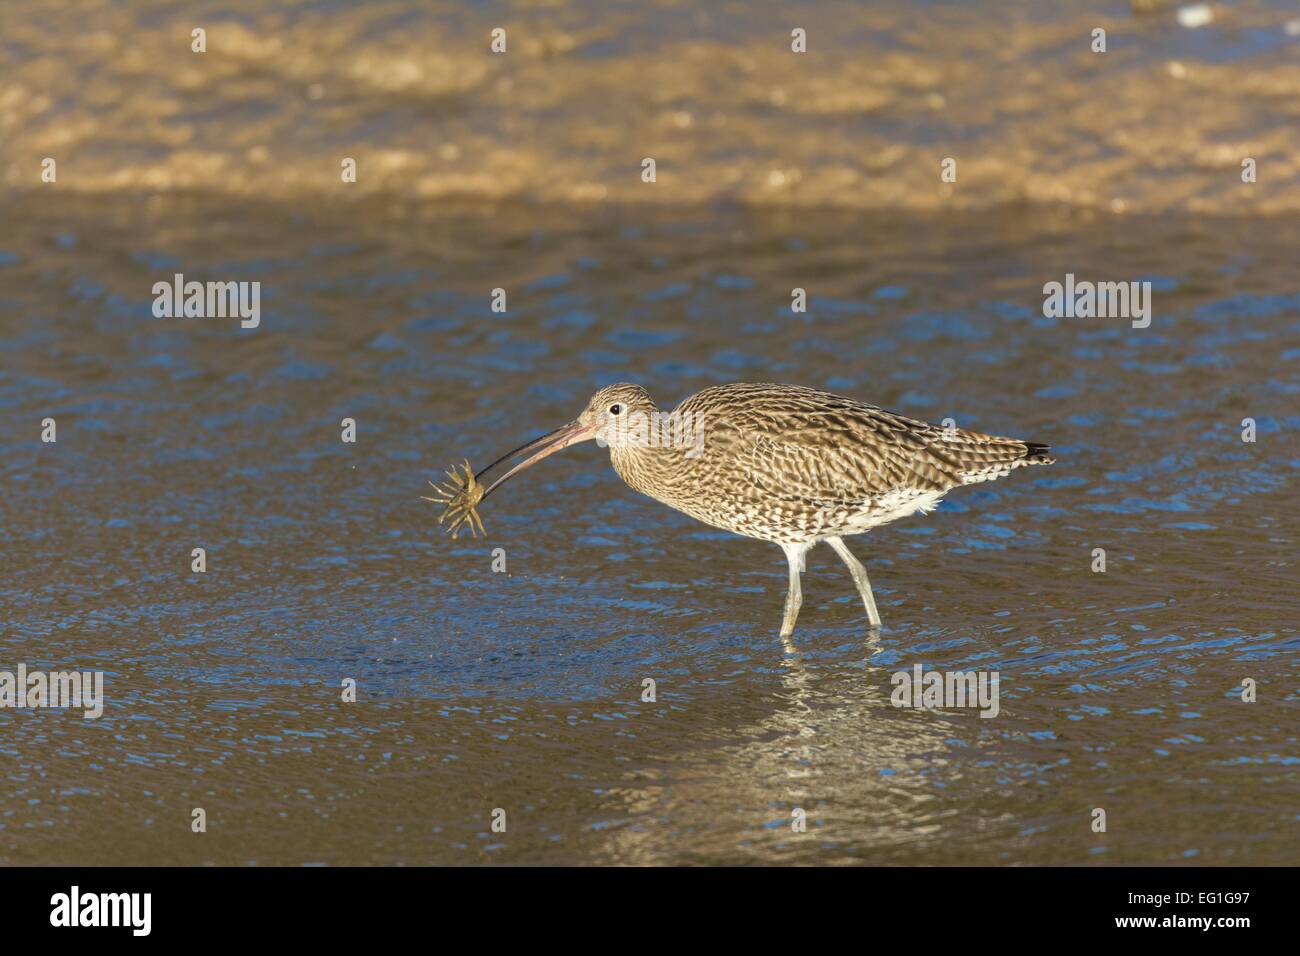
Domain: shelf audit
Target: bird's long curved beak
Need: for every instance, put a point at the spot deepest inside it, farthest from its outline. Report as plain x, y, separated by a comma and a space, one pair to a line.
539, 448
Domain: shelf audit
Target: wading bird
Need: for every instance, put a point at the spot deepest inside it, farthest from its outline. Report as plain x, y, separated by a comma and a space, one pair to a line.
782, 463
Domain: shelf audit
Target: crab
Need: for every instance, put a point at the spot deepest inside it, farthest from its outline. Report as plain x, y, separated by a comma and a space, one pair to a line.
461, 496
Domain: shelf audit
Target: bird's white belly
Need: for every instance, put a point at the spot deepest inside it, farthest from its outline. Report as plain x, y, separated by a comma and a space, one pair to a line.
889, 507
772, 522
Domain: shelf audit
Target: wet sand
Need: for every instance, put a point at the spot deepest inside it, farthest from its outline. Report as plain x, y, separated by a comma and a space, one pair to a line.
1159, 123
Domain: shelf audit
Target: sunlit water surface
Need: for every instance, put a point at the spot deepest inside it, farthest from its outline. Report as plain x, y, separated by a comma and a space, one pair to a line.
523, 690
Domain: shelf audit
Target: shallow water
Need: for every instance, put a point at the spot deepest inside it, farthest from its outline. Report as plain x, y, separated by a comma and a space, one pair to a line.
521, 690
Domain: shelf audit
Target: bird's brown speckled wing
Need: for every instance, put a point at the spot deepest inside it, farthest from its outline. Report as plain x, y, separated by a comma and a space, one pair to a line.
807, 446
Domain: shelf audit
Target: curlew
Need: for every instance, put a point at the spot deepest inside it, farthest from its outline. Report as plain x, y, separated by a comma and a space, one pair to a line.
781, 463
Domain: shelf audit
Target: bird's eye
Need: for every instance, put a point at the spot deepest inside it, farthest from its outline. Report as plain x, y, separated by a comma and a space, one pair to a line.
615, 409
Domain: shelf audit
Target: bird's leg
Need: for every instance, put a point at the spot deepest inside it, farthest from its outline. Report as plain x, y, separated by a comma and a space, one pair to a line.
859, 578
794, 554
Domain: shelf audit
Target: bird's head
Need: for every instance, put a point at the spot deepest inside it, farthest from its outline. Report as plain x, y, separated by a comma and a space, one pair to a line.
619, 413
606, 417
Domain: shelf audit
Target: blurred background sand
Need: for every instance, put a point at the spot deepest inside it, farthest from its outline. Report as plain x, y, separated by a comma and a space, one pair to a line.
588, 88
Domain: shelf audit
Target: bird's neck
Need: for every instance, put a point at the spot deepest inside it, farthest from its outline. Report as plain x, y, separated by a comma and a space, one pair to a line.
642, 467
654, 455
